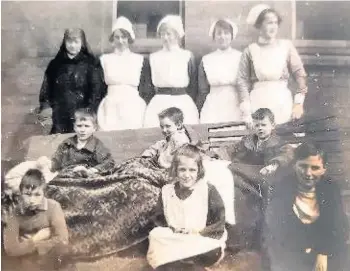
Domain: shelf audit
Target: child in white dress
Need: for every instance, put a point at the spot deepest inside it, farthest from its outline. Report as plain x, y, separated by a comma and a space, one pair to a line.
126, 75
217, 96
190, 217
174, 76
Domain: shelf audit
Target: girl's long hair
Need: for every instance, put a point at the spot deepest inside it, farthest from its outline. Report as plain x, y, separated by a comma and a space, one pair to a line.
191, 151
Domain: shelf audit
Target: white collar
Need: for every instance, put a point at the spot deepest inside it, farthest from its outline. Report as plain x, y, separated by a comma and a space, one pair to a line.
264, 41
120, 53
227, 50
173, 48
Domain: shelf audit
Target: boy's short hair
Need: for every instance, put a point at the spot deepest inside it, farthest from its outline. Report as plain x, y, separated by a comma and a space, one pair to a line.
31, 180
85, 114
261, 113
173, 113
307, 149
191, 151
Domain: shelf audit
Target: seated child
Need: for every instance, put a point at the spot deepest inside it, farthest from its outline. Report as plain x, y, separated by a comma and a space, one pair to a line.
14, 176
36, 225
190, 217
84, 150
175, 135
263, 147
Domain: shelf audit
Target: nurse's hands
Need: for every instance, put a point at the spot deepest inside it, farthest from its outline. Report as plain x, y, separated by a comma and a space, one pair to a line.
298, 111
321, 262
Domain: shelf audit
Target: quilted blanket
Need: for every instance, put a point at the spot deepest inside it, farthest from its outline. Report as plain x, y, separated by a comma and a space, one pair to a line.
106, 214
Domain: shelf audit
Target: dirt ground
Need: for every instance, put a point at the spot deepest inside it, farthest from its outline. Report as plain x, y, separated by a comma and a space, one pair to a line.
243, 261
135, 259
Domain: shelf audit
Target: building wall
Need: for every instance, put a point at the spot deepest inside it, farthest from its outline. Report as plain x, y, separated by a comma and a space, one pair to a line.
199, 16
31, 34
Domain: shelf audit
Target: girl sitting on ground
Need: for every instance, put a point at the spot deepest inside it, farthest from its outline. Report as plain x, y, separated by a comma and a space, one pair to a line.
184, 231
176, 135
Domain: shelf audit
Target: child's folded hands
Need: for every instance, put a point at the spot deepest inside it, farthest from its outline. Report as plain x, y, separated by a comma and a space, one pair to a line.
41, 235
269, 169
184, 231
85, 172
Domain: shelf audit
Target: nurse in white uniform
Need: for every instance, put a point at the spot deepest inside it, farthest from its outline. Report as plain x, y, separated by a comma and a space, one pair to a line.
174, 75
125, 74
217, 73
265, 68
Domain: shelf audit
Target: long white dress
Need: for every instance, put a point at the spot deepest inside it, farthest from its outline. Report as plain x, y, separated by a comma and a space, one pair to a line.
264, 72
171, 73
122, 108
219, 71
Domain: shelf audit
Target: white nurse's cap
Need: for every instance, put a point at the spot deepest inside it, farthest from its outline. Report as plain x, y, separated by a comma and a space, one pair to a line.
174, 22
125, 24
255, 12
233, 25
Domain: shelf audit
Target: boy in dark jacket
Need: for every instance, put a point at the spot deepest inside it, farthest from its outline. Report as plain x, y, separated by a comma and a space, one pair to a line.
306, 227
263, 148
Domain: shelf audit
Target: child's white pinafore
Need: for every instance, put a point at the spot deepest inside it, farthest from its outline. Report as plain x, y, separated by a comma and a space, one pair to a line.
165, 246
122, 108
170, 77
222, 103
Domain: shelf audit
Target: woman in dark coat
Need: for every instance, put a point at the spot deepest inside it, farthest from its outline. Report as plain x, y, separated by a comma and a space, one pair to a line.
73, 79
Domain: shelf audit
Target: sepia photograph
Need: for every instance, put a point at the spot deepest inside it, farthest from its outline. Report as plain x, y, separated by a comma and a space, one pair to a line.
178, 135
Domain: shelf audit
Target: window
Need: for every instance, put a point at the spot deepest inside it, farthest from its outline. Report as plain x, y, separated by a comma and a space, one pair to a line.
145, 15
322, 20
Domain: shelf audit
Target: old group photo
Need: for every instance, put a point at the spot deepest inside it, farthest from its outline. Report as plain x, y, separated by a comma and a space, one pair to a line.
175, 135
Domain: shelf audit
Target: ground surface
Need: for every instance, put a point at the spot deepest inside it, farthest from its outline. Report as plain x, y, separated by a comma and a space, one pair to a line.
134, 260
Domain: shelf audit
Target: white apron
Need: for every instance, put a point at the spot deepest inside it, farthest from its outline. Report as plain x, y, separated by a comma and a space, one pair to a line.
271, 92
222, 103
122, 108
169, 69
165, 246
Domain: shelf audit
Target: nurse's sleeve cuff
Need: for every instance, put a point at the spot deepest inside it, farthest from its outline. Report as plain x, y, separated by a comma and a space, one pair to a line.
299, 98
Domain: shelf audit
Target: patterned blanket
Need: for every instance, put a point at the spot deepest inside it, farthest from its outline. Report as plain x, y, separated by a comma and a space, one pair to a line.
109, 213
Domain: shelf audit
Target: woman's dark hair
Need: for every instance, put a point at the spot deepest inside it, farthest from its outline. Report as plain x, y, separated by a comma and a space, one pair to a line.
124, 33
85, 48
307, 149
191, 151
31, 180
259, 21
261, 113
61, 56
224, 25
